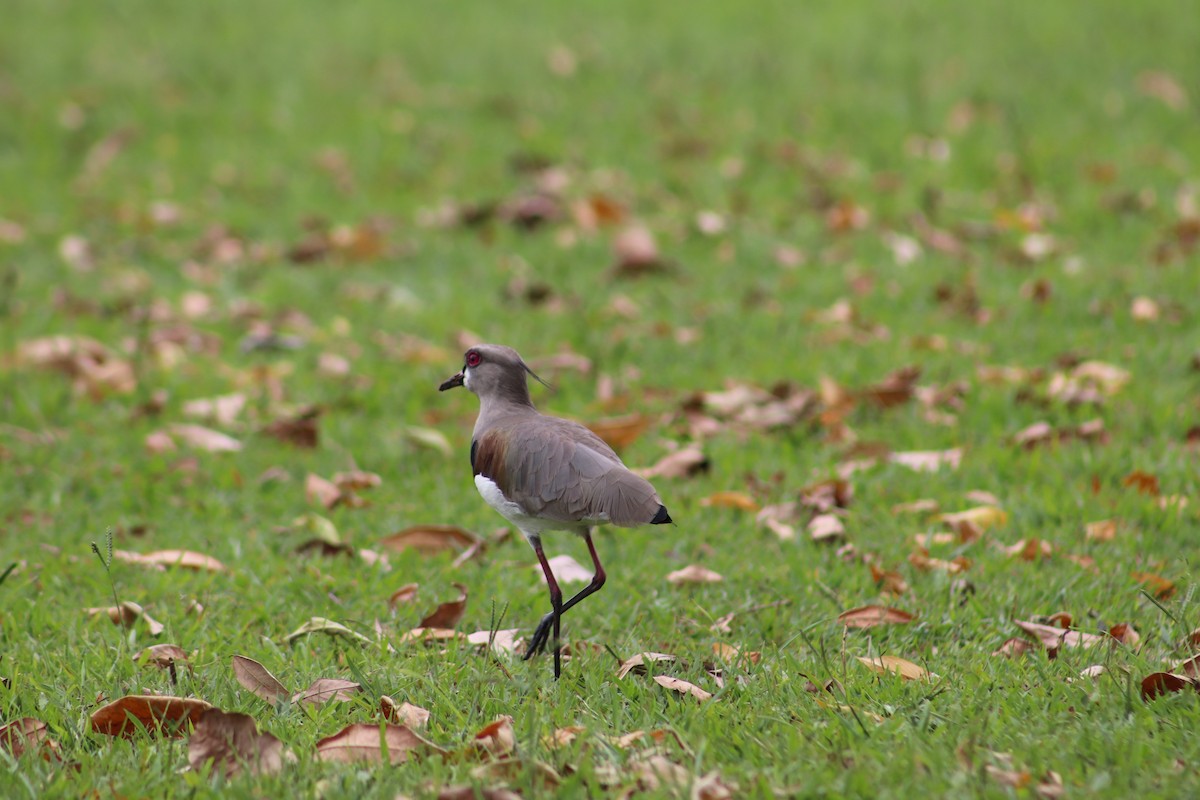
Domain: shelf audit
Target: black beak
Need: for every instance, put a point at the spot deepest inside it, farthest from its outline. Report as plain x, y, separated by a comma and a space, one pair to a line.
450, 383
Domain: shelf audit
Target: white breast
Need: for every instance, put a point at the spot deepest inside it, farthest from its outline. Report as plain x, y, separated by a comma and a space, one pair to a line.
529, 526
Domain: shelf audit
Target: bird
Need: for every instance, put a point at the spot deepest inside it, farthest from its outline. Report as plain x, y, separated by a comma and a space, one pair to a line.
544, 473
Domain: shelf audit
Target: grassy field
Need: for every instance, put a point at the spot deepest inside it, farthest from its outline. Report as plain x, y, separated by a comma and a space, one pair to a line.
316, 205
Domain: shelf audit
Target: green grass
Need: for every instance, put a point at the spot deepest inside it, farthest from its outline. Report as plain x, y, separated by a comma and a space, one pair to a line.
763, 113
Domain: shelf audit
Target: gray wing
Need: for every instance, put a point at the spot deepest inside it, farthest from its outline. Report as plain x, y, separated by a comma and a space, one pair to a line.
565, 472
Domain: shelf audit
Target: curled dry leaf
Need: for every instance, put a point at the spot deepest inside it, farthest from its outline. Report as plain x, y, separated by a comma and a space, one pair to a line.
162, 655
826, 528
497, 738
620, 432
928, 460
325, 689
223, 410
1094, 671
447, 615
185, 559
1104, 530
922, 506
693, 573
1053, 637
562, 737
778, 519
1013, 648
739, 500
1125, 634
256, 678
91, 367
870, 616
1031, 549
232, 743
428, 438
512, 769
299, 429
404, 713
326, 626
971, 523
207, 439
902, 667
325, 492
502, 641
356, 480
683, 687
126, 614
431, 636
924, 562
405, 594
374, 743
27, 734
683, 463
888, 580
1160, 683
429, 539
637, 664
566, 570
730, 654
155, 713
1156, 584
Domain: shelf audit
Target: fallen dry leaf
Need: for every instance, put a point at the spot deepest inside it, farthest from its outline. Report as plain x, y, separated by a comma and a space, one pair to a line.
683, 687
155, 713
902, 667
323, 690
501, 641
223, 410
620, 432
356, 480
1013, 648
431, 636
888, 580
497, 738
256, 678
233, 743
326, 626
429, 539
162, 655
403, 714
972, 522
924, 562
361, 742
1104, 530
428, 438
637, 664
922, 506
1053, 637
27, 734
683, 463
826, 528
870, 616
91, 366
448, 614
202, 438
693, 573
299, 429
1031, 549
186, 559
738, 500
1156, 584
1160, 683
126, 614
324, 492
561, 737
1143, 482
1125, 634
928, 460
405, 594
566, 570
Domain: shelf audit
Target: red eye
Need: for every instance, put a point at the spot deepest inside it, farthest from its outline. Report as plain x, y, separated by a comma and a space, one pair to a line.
473, 359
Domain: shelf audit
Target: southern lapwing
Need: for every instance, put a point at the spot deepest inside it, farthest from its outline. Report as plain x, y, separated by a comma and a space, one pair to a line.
546, 474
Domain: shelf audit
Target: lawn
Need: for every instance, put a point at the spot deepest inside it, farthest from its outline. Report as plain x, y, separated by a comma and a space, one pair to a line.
879, 264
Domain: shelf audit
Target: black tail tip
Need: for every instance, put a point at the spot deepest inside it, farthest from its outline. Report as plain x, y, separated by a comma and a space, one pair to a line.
662, 517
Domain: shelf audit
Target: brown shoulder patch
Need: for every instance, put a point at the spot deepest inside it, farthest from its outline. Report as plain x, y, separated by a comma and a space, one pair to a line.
488, 458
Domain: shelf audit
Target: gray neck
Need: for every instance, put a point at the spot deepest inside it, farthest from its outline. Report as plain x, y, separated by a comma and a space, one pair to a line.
501, 405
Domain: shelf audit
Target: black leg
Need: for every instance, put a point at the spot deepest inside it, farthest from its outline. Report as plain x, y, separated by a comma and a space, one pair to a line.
555, 602
542, 633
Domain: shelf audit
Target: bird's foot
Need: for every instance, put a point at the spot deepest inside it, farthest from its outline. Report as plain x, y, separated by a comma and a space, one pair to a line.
541, 636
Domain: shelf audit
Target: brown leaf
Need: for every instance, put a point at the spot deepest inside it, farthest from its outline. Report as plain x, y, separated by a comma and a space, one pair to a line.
258, 679
561, 737
1052, 637
185, 559
469, 792
826, 528
1030, 549
1013, 648
684, 463
922, 561
970, 523
28, 734
620, 432
431, 636
233, 743
693, 573
126, 614
928, 460
1125, 634
92, 368
895, 389
637, 664
403, 714
405, 594
323, 690
429, 539
1160, 683
637, 253
155, 713
566, 570
162, 655
902, 667
870, 616
202, 438
356, 480
888, 580
683, 687
447, 615
738, 500
373, 743
501, 641
299, 429
497, 738
825, 496
223, 410
1156, 584
1104, 530
1143, 482
322, 491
